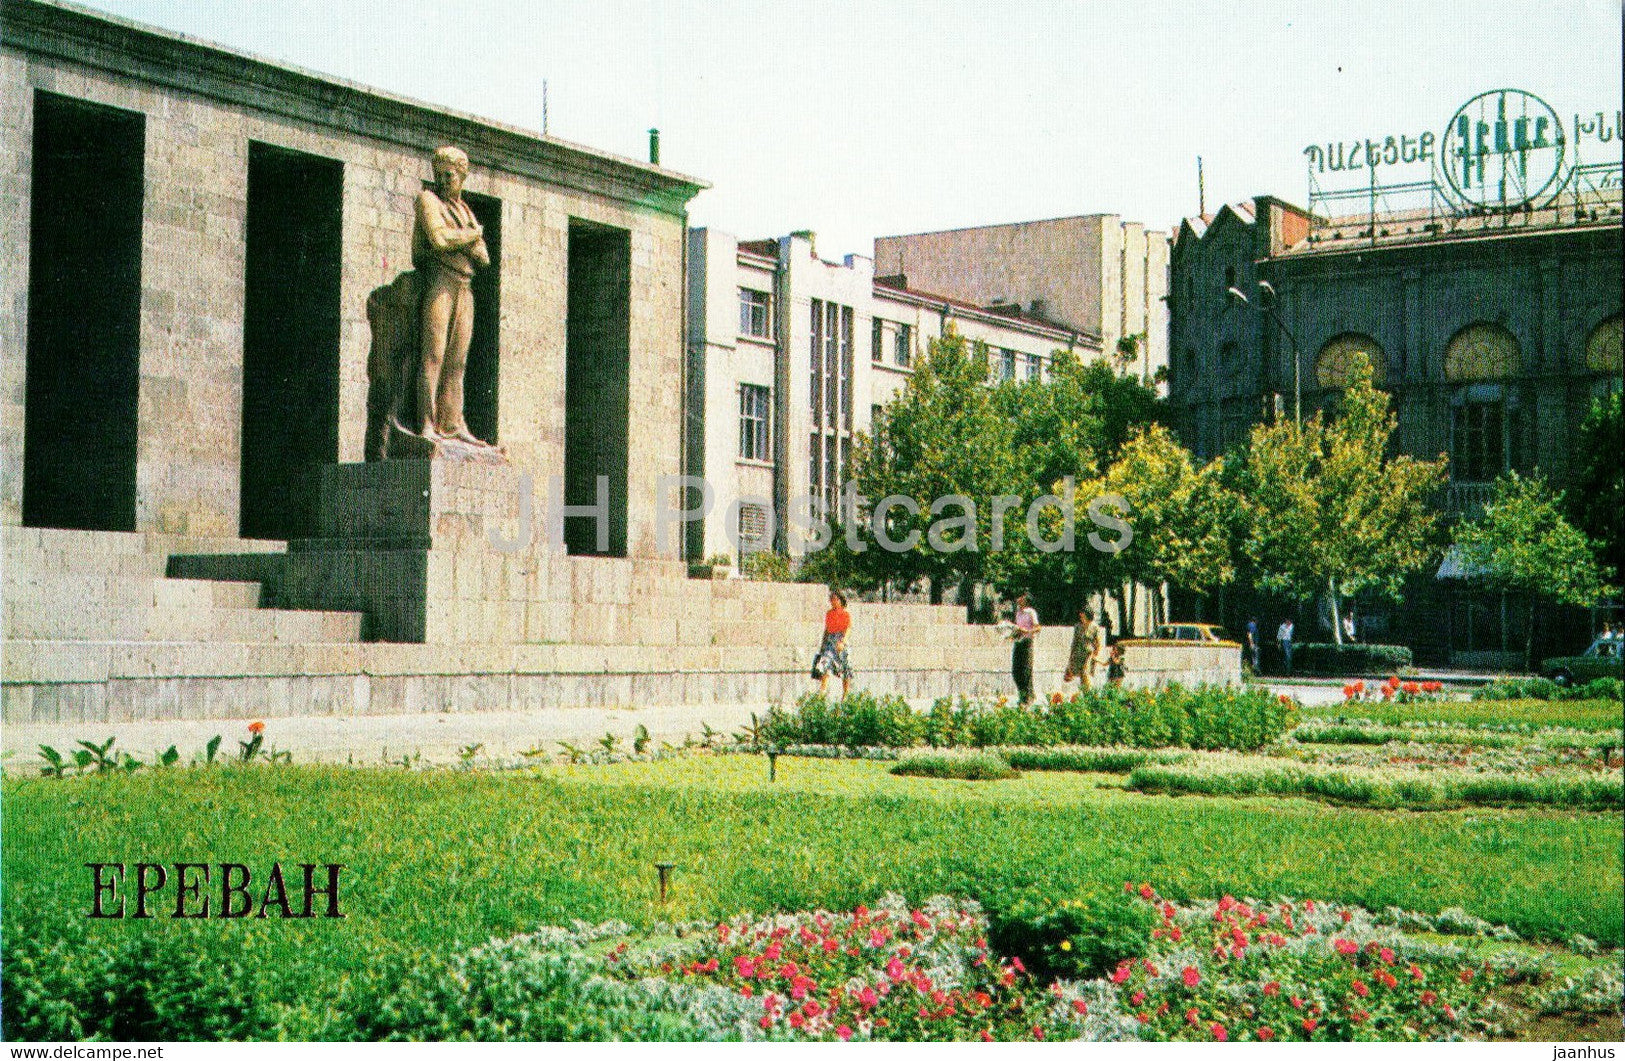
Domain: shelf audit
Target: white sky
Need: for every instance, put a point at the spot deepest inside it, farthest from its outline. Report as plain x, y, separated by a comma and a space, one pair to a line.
864, 119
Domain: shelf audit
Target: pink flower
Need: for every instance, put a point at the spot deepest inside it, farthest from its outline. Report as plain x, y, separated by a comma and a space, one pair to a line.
744, 967
1136, 998
1219, 1032
1190, 976
1346, 947
1265, 1034
1416, 973
894, 969
843, 1033
1121, 973
868, 999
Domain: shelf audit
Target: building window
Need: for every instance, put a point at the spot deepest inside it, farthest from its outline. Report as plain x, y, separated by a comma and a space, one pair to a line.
1334, 366
905, 345
753, 529
877, 339
1007, 363
755, 435
1481, 352
830, 386
1483, 438
755, 313
1035, 368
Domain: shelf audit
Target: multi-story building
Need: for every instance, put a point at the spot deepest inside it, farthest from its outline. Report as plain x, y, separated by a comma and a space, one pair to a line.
789, 357
1096, 273
1492, 331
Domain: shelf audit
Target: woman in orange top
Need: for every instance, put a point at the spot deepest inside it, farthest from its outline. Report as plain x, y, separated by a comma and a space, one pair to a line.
831, 656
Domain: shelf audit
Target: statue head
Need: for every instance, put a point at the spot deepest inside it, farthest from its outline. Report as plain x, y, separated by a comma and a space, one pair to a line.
450, 170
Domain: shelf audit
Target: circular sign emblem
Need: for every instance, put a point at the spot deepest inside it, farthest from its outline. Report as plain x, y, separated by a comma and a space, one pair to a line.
1503, 150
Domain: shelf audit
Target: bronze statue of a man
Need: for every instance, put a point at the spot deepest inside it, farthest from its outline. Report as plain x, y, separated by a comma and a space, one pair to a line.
448, 244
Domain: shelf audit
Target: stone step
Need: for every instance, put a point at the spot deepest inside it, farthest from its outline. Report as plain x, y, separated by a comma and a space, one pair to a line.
70, 588
44, 621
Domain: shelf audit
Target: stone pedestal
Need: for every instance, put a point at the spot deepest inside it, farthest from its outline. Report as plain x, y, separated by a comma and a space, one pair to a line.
431, 551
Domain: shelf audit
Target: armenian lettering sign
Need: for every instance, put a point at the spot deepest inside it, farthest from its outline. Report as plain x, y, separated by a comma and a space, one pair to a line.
1504, 149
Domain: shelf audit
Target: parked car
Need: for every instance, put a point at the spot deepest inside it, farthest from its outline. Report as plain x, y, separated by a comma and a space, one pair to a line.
1601, 660
1192, 632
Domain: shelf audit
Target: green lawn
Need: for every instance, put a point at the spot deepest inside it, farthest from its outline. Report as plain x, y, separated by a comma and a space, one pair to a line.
1596, 715
441, 858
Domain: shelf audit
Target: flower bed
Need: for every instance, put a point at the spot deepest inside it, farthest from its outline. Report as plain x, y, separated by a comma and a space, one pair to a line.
1224, 970
1170, 717
1546, 689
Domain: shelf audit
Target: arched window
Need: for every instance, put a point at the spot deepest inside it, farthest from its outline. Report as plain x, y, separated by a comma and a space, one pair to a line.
1481, 352
1602, 347
1334, 366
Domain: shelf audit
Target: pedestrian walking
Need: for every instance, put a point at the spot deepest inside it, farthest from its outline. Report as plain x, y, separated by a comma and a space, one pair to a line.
831, 658
1283, 637
1021, 655
1253, 645
1088, 643
1114, 667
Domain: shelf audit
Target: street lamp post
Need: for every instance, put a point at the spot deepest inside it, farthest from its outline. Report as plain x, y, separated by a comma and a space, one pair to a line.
1268, 308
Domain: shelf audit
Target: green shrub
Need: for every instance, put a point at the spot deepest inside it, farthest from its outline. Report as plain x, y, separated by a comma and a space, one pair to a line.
1211, 717
1546, 689
1505, 715
1077, 939
1087, 760
1352, 660
140, 990
956, 766
1357, 787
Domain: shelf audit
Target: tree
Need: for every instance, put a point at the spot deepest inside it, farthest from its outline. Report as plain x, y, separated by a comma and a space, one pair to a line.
941, 437
1068, 427
1523, 544
1328, 511
1596, 501
1183, 517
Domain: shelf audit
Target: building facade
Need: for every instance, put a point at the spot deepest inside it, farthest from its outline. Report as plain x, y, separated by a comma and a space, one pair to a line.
790, 357
191, 239
1095, 273
1492, 332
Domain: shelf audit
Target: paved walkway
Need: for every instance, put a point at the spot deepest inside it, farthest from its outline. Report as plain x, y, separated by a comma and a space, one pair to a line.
436, 738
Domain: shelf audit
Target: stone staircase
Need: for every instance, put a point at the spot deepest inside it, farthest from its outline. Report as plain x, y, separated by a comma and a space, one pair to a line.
82, 608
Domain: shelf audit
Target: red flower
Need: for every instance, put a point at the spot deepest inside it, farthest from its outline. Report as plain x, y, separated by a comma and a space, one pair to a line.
1272, 989
1219, 1032
1387, 955
1191, 1015
797, 1020
844, 1033
1038, 1033
1359, 1016
1386, 978
987, 1036
1265, 1034
1121, 973
1136, 998
1146, 892
256, 727
1347, 917
1310, 1024
1346, 947
1080, 1005
1466, 976
1416, 973
1190, 976
1360, 988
